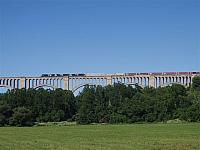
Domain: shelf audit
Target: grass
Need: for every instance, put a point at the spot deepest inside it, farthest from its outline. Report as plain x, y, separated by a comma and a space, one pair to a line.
102, 137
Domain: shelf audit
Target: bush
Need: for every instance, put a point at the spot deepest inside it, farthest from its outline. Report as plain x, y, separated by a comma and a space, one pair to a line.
118, 118
21, 117
5, 114
57, 116
2, 120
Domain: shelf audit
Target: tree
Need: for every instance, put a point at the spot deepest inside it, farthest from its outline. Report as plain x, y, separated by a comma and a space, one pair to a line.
116, 103
196, 83
5, 114
21, 117
86, 111
102, 104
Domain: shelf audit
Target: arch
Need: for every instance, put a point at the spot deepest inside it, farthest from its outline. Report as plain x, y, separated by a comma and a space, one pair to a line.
135, 84
43, 85
82, 85
171, 83
6, 86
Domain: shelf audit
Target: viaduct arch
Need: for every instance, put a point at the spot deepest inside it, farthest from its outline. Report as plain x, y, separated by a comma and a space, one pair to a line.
82, 85
44, 85
6, 86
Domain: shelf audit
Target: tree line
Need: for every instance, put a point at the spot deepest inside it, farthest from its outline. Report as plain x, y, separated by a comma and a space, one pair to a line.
110, 104
23, 107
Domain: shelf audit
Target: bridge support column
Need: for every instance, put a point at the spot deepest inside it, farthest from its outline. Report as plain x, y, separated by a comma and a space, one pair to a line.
22, 83
152, 81
161, 81
66, 83
109, 80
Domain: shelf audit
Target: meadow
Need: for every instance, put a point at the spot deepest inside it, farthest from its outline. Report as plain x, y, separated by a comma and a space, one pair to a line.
102, 137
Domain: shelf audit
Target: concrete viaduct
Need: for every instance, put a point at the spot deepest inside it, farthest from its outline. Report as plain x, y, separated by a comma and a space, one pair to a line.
75, 81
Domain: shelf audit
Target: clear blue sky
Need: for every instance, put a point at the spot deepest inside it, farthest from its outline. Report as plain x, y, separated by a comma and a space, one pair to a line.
91, 36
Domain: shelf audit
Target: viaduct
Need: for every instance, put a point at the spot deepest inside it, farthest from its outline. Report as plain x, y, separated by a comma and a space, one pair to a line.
75, 81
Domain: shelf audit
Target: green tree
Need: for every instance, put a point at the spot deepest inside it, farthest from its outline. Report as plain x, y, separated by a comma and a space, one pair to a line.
86, 112
196, 83
21, 117
5, 114
102, 105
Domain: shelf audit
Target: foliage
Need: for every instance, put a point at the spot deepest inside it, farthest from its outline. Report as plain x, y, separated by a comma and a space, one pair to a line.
110, 104
21, 107
21, 117
196, 83
125, 104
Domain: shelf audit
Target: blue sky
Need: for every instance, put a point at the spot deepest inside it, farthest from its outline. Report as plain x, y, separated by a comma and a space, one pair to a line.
91, 36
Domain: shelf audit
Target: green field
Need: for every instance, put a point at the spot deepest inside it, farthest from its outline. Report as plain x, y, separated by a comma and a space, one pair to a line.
109, 137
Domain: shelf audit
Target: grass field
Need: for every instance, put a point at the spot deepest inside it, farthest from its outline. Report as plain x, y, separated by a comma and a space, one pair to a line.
108, 137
